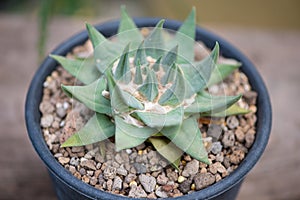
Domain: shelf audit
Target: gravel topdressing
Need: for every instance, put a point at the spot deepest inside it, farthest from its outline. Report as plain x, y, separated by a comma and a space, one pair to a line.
141, 171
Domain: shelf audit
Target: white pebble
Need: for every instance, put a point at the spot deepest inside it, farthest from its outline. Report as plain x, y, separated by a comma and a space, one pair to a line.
45, 84
128, 151
62, 123
58, 105
65, 105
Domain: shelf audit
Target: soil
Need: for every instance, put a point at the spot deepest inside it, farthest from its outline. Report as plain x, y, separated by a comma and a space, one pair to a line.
141, 171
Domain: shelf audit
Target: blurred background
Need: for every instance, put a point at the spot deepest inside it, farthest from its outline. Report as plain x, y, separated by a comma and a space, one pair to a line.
268, 32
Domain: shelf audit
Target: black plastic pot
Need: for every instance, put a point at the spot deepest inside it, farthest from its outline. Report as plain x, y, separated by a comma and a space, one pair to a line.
69, 187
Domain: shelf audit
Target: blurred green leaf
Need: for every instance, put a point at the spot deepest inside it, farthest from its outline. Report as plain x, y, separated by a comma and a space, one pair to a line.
140, 57
168, 150
121, 101
82, 69
154, 43
198, 74
90, 95
205, 102
128, 136
187, 137
232, 110
222, 71
149, 89
97, 129
128, 32
157, 120
123, 72
177, 92
185, 38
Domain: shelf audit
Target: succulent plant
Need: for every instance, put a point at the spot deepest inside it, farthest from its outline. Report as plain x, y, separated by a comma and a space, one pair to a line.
148, 89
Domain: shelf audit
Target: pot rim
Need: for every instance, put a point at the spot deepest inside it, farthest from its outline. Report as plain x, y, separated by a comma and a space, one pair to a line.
263, 124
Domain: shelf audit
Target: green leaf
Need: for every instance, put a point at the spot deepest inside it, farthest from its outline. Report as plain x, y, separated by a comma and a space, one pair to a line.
176, 93
170, 58
83, 70
185, 38
158, 120
138, 78
221, 71
90, 95
170, 75
102, 147
187, 137
168, 150
154, 43
232, 110
198, 74
128, 32
140, 57
98, 128
123, 72
95, 36
128, 136
121, 101
156, 65
204, 102
105, 51
149, 89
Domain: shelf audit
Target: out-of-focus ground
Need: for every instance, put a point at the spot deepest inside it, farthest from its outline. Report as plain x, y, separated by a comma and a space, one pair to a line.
275, 52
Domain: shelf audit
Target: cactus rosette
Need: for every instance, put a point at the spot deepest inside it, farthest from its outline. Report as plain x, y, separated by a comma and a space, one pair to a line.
149, 89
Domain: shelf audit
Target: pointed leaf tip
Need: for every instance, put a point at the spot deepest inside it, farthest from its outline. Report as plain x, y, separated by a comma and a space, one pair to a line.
150, 87
95, 36
127, 30
160, 24
216, 51
140, 56
122, 72
185, 38
82, 69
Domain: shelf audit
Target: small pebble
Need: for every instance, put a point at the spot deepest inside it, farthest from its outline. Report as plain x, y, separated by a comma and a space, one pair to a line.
249, 137
185, 186
160, 192
117, 185
109, 172
232, 122
193, 186
228, 139
63, 160
121, 171
162, 179
85, 179
46, 120
93, 181
140, 168
109, 184
61, 112
180, 179
46, 107
130, 178
203, 180
137, 192
74, 161
140, 152
132, 183
148, 182
239, 134
214, 131
216, 147
90, 164
191, 168
128, 151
